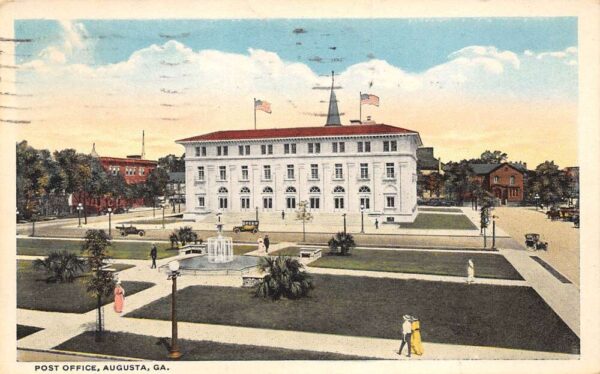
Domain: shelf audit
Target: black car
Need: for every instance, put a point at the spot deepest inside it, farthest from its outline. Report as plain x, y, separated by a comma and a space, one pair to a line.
127, 230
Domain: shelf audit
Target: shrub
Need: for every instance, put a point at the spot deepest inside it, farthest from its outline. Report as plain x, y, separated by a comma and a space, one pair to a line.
341, 244
62, 267
284, 278
186, 235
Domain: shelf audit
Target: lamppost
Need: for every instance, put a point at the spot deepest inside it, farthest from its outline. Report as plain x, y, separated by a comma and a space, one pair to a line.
362, 219
173, 274
163, 205
494, 231
219, 215
79, 209
344, 215
257, 213
537, 201
109, 222
33, 224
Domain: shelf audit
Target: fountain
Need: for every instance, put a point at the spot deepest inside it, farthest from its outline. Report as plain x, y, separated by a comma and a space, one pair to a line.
219, 249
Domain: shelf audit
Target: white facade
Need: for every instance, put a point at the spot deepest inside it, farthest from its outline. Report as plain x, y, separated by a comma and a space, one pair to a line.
280, 172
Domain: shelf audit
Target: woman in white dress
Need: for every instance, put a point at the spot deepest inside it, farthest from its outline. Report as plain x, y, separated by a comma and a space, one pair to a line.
261, 245
470, 272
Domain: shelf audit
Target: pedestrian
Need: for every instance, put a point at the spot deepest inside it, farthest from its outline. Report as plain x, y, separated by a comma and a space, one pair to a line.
119, 297
406, 334
376, 224
266, 243
470, 271
261, 245
153, 254
283, 214
415, 343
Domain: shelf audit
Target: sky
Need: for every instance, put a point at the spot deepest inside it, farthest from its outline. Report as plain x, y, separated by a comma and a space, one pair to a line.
466, 84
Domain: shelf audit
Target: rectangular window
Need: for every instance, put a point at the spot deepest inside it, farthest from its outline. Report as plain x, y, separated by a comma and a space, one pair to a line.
245, 202
342, 147
386, 146
390, 201
141, 171
247, 150
334, 147
267, 172
365, 203
394, 145
286, 149
311, 148
222, 173
219, 152
244, 173
496, 179
314, 203
317, 147
293, 148
203, 151
290, 202
270, 149
267, 203
241, 150
222, 203
339, 173
364, 171
512, 180
314, 171
367, 146
359, 146
263, 149
200, 173
290, 171
197, 151
338, 202
389, 170
225, 150
201, 201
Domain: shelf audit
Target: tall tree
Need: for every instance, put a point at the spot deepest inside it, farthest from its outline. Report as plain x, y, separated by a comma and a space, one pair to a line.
32, 179
493, 157
156, 185
549, 182
458, 180
171, 163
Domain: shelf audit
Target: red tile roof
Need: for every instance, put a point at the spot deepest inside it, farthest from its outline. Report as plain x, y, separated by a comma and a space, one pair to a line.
299, 132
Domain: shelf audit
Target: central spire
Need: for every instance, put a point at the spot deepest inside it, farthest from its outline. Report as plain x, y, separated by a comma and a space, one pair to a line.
333, 115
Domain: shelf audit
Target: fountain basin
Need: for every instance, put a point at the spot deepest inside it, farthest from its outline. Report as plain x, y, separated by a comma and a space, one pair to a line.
202, 265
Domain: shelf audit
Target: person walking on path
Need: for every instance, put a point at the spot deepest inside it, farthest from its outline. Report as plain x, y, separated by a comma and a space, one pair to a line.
153, 254
283, 214
267, 243
470, 271
415, 343
376, 224
119, 297
261, 245
406, 334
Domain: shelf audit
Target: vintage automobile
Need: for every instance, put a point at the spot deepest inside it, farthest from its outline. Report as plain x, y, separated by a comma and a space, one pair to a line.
533, 242
576, 220
130, 230
248, 226
553, 214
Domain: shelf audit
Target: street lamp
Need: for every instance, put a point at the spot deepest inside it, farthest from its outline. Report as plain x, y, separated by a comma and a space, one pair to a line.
257, 213
494, 231
109, 222
79, 209
163, 205
537, 201
173, 274
344, 215
362, 219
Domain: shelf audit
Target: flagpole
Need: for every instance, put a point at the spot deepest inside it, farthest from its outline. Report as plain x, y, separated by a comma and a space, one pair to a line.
254, 113
360, 106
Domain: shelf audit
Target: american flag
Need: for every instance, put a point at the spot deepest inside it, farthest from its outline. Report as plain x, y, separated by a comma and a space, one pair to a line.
262, 105
369, 99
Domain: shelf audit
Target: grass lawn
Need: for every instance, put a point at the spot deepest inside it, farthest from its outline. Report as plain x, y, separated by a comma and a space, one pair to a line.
24, 330
34, 293
288, 251
432, 221
450, 313
129, 250
433, 209
421, 262
156, 349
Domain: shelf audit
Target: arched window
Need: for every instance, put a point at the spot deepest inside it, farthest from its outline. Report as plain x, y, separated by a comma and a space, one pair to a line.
290, 189
338, 189
223, 190
267, 190
364, 189
315, 189
245, 190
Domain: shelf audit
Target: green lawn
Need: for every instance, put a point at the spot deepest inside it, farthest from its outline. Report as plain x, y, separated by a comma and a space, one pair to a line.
432, 221
434, 209
118, 250
156, 349
34, 293
24, 330
421, 262
450, 313
288, 251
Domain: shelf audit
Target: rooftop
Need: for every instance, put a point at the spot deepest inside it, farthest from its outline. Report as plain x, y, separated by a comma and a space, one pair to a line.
300, 132
482, 169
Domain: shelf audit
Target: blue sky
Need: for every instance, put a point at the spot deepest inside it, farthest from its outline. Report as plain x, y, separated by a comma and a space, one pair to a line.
412, 44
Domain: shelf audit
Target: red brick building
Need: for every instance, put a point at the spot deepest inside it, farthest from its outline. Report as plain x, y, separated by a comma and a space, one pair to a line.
505, 181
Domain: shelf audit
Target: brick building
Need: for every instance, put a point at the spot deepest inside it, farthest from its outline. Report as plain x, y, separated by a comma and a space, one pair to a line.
504, 181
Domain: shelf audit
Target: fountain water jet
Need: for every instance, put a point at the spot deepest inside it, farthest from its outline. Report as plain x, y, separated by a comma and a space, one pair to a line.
220, 248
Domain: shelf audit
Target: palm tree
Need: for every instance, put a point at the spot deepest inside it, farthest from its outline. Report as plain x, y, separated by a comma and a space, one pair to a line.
61, 266
342, 243
101, 283
186, 235
174, 240
285, 278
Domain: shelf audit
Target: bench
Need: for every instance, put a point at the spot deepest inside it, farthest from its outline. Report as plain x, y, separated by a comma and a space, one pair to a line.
310, 253
192, 248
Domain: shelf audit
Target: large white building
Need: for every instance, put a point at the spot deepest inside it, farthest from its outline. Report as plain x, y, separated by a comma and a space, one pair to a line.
334, 168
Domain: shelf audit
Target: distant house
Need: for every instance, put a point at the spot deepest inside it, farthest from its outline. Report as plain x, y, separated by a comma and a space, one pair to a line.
504, 181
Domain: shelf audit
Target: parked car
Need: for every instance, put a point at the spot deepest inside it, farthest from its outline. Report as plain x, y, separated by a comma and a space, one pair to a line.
248, 226
130, 230
533, 242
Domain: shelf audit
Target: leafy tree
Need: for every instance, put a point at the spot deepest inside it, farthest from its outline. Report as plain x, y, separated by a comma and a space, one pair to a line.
342, 243
458, 179
186, 235
156, 185
549, 182
102, 282
171, 163
62, 267
174, 239
284, 278
493, 157
32, 179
